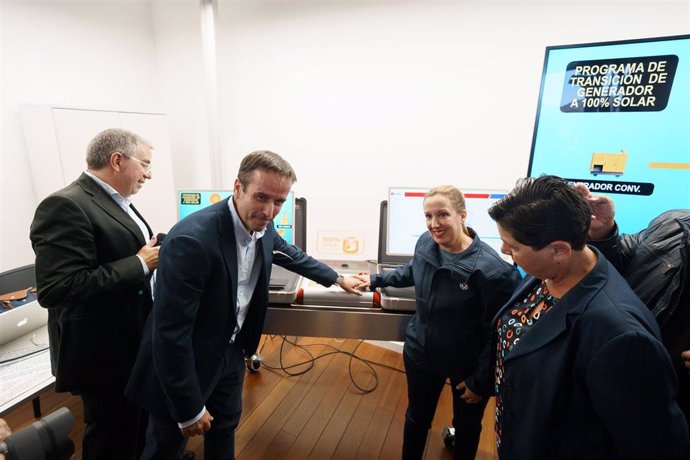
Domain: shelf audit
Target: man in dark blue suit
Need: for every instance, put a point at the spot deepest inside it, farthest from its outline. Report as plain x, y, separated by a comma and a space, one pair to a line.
210, 302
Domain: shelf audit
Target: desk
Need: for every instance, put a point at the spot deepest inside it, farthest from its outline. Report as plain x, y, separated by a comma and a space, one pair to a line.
25, 378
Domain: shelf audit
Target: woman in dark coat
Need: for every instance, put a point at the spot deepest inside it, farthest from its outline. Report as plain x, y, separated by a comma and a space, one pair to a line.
460, 282
580, 369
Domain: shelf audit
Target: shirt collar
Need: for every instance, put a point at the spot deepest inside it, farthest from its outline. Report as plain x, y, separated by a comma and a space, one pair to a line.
241, 234
122, 201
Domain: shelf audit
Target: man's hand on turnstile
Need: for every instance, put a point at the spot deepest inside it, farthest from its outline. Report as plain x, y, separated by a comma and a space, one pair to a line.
363, 282
350, 284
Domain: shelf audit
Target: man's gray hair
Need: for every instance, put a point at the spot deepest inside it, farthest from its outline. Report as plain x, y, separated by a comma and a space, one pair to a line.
113, 140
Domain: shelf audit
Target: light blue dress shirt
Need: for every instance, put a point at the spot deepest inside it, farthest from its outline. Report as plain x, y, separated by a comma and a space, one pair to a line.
124, 203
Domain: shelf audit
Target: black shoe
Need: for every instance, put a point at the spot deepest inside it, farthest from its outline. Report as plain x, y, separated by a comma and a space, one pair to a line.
188, 455
449, 437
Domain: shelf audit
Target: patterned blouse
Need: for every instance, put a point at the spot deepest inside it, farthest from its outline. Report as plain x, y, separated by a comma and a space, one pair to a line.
513, 325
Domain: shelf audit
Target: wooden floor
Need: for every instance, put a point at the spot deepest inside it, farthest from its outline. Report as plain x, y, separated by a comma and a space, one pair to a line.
319, 414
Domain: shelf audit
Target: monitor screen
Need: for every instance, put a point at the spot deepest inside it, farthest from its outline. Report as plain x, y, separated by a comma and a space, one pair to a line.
190, 201
406, 222
614, 115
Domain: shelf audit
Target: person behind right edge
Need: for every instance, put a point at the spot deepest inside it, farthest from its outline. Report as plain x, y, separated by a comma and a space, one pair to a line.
460, 282
656, 264
580, 370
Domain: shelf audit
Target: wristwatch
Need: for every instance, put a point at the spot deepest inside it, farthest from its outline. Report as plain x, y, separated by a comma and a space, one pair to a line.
340, 280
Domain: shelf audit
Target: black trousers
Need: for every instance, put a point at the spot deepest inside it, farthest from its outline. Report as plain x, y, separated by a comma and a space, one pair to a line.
115, 427
423, 392
164, 440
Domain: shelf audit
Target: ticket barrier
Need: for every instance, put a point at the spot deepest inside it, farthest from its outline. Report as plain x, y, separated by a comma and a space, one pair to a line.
317, 311
301, 307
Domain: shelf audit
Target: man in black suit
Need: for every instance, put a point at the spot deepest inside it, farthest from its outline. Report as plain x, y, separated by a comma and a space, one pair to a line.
656, 263
94, 257
211, 296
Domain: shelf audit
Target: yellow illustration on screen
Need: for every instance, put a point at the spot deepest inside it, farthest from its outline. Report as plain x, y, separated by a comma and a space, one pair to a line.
608, 163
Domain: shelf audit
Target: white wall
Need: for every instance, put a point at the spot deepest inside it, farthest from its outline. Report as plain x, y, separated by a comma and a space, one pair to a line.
360, 96
94, 54
356, 95
177, 35
84, 54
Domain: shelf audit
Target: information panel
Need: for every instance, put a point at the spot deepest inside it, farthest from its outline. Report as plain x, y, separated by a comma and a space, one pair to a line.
615, 116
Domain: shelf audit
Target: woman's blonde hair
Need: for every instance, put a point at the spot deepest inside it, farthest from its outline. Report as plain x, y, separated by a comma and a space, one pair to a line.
457, 200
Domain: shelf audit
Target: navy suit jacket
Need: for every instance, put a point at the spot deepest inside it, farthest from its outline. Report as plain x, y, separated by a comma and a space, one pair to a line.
194, 313
93, 284
591, 379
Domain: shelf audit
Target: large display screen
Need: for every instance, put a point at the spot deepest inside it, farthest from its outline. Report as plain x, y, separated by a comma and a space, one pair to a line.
406, 222
190, 201
615, 116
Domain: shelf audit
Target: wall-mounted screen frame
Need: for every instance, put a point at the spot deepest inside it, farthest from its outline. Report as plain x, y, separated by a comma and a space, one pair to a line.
614, 115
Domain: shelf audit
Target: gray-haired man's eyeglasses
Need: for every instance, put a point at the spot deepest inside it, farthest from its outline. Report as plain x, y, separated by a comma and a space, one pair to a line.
147, 166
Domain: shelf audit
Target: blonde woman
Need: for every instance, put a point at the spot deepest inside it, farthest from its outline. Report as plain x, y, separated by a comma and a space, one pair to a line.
460, 283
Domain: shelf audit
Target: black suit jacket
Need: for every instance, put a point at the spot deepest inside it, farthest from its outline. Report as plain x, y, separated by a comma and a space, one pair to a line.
194, 313
89, 278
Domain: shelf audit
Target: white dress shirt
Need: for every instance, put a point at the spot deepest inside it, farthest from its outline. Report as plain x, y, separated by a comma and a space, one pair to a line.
247, 267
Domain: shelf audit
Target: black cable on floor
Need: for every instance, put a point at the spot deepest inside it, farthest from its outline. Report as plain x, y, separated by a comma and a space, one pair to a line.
312, 359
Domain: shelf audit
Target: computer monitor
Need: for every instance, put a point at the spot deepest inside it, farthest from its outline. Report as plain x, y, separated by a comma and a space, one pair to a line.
406, 222
190, 201
21, 320
23, 315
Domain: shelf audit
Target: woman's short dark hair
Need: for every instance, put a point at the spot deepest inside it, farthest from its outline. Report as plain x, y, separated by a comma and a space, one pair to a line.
267, 161
541, 210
